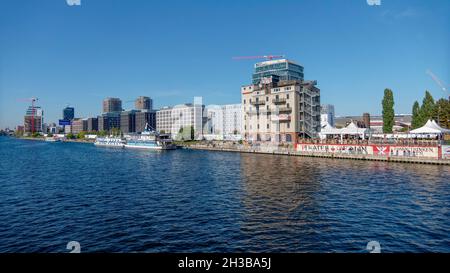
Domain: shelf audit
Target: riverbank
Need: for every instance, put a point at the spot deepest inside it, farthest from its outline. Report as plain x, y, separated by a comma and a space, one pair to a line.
292, 152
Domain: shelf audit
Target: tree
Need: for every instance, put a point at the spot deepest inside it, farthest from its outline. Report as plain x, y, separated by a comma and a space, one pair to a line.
70, 136
415, 115
426, 111
81, 135
441, 113
388, 111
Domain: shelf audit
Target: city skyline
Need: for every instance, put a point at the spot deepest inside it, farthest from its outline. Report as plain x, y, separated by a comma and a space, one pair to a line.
79, 55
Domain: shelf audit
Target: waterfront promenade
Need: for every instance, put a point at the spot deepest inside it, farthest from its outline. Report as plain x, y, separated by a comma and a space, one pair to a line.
343, 154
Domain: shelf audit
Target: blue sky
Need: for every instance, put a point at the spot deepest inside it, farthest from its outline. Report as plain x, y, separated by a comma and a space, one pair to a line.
175, 50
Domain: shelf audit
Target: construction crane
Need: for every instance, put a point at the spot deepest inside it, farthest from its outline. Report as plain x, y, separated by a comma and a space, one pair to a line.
267, 57
436, 79
33, 110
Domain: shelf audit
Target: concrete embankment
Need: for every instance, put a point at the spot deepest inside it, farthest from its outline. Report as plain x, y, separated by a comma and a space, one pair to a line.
416, 160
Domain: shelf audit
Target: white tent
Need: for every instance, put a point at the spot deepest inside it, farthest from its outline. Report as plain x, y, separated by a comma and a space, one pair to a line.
351, 129
431, 127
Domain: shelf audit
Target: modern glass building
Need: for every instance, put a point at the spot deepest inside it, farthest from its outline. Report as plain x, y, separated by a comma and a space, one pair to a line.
68, 113
283, 68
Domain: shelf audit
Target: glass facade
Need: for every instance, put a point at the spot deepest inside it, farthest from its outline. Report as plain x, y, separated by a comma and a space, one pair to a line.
68, 113
284, 69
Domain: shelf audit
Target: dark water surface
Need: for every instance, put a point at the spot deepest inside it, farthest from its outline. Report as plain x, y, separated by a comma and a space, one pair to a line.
117, 200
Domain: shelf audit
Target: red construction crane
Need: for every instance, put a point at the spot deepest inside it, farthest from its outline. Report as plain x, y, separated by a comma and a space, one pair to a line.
33, 111
267, 57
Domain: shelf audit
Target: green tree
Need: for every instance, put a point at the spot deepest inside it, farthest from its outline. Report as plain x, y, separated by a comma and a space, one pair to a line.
81, 135
70, 136
388, 111
35, 134
192, 133
441, 113
426, 111
415, 115
115, 132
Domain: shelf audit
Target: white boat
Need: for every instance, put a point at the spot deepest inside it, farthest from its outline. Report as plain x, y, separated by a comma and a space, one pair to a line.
110, 142
50, 139
150, 140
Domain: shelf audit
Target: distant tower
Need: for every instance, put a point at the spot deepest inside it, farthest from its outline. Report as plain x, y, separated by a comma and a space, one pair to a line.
143, 103
366, 120
68, 113
112, 105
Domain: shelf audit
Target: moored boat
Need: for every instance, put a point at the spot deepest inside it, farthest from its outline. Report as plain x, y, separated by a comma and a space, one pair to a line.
110, 142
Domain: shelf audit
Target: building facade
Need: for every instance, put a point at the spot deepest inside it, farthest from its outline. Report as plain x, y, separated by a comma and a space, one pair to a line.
286, 70
223, 121
143, 103
92, 124
79, 125
112, 105
33, 119
178, 119
327, 115
68, 113
128, 121
280, 111
108, 121
143, 118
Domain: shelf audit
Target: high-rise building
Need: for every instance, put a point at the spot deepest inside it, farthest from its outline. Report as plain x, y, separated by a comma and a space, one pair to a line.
34, 117
280, 111
68, 113
143, 103
327, 114
176, 120
112, 105
286, 70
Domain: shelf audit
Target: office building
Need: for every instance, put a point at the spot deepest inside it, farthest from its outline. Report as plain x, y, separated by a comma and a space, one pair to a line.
286, 70
327, 115
33, 119
143, 103
179, 119
68, 113
108, 121
143, 118
92, 124
79, 125
112, 105
223, 121
128, 121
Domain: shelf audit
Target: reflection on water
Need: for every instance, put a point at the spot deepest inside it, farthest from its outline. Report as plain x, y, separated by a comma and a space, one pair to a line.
340, 205
119, 200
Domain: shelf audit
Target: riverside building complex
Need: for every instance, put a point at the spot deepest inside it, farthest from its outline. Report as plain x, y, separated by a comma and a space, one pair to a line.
280, 106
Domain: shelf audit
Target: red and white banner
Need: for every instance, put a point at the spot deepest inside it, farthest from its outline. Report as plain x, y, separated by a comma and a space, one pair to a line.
377, 150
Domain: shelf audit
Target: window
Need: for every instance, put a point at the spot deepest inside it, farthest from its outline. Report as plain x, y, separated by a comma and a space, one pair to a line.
287, 96
288, 138
289, 125
268, 126
258, 126
267, 98
244, 102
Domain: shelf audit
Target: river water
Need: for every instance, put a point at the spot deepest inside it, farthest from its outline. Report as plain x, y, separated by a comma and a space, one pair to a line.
118, 200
